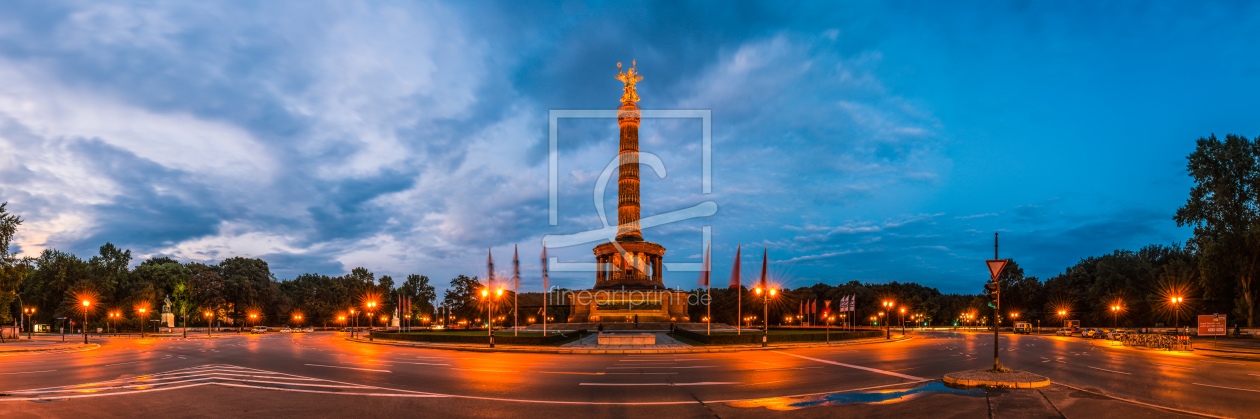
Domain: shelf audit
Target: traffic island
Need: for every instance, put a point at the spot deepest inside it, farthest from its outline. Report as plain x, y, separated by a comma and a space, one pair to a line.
989, 378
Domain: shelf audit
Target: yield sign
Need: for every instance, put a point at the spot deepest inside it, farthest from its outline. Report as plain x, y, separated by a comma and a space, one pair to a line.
995, 267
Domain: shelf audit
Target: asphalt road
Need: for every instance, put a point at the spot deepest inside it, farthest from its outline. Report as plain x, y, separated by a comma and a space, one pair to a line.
260, 370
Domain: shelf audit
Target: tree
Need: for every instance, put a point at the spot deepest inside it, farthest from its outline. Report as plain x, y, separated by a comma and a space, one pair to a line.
421, 292
246, 285
1224, 208
11, 269
206, 286
462, 297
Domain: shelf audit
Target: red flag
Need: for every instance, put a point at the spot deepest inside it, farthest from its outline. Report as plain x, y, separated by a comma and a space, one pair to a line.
735, 279
764, 255
802, 309
705, 268
516, 270
489, 269
544, 267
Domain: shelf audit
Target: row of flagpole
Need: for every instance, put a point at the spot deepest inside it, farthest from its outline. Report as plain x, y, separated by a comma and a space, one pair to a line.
846, 303
516, 287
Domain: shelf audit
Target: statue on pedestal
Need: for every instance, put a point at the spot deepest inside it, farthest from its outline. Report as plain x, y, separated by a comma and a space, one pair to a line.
168, 319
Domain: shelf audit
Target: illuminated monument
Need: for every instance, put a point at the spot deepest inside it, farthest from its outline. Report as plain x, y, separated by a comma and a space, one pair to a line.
628, 277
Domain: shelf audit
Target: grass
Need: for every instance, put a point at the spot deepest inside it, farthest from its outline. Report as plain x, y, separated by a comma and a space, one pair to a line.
479, 333
782, 332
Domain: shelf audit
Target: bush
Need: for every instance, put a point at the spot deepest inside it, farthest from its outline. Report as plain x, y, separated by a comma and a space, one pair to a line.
755, 337
482, 339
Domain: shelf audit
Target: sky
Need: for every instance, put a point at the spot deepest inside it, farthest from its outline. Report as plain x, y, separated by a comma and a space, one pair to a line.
851, 141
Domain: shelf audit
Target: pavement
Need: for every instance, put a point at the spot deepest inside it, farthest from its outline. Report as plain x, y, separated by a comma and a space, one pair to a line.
282, 375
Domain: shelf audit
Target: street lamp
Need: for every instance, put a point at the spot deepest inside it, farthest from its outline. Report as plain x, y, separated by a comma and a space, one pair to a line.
86, 304
1115, 316
30, 321
371, 310
887, 306
485, 297
765, 306
356, 323
903, 321
209, 321
1063, 316
143, 317
1176, 302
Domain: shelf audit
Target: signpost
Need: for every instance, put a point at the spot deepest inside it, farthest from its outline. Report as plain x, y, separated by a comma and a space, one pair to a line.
993, 289
1212, 325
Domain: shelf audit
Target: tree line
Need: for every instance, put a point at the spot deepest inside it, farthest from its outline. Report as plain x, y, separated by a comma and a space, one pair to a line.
1214, 272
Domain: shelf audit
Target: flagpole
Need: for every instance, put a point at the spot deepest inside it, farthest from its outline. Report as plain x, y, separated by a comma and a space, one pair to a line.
739, 295
545, 293
516, 290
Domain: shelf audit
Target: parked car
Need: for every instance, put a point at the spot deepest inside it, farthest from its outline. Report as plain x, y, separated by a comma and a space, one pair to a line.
1117, 334
1087, 333
1100, 334
286, 330
259, 330
1064, 332
309, 329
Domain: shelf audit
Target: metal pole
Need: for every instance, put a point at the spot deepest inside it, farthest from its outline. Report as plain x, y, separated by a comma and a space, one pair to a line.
765, 321
85, 325
996, 305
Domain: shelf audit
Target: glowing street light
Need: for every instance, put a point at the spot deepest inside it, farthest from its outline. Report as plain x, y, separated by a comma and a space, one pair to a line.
30, 322
371, 310
1176, 302
143, 317
209, 321
888, 305
485, 297
86, 304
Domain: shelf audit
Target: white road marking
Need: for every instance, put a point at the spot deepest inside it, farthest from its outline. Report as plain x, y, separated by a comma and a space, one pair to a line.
706, 383
1230, 363
1107, 370
348, 368
1228, 388
24, 372
910, 377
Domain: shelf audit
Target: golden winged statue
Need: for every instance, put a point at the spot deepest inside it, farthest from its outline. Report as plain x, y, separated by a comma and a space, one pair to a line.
630, 77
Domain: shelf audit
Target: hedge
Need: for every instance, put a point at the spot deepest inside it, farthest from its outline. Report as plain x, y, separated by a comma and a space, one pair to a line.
755, 337
499, 338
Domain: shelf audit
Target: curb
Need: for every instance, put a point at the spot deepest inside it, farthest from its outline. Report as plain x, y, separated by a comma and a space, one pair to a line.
994, 383
692, 350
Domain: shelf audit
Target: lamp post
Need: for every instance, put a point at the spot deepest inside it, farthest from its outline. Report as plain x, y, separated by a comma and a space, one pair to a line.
86, 305
209, 321
765, 307
1063, 316
30, 321
371, 311
903, 321
1176, 302
485, 297
1115, 317
887, 306
356, 323
143, 318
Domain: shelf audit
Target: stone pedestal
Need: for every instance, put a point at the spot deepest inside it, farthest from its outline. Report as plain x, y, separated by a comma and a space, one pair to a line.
635, 339
168, 319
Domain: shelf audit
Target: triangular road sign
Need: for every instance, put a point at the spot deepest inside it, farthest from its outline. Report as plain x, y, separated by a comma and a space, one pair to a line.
995, 267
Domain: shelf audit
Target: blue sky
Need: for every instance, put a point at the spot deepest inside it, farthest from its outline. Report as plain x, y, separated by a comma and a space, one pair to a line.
870, 141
